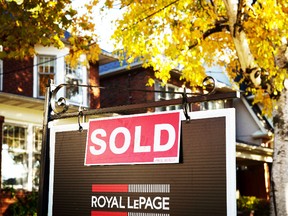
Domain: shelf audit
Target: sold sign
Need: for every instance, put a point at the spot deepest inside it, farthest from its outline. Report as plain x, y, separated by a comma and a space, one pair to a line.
139, 139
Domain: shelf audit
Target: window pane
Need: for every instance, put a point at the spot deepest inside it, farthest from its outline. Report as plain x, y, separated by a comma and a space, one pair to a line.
14, 156
37, 139
167, 92
37, 142
210, 105
36, 170
15, 137
74, 77
43, 81
46, 71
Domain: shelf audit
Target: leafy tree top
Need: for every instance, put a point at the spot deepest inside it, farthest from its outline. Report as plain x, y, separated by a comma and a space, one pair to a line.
184, 33
25, 23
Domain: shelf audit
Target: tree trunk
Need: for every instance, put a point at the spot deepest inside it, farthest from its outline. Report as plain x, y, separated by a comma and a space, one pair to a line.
279, 199
244, 54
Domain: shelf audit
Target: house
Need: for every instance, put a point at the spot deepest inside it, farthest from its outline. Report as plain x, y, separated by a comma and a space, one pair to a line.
22, 91
124, 86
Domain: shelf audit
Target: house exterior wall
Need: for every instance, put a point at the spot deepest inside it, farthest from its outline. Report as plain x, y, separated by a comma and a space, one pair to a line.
248, 184
118, 85
122, 89
18, 77
245, 126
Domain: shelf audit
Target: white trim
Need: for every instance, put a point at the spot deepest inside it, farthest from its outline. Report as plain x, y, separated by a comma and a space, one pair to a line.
255, 118
229, 115
53, 130
59, 73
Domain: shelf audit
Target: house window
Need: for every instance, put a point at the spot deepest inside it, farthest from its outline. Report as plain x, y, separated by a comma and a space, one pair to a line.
37, 139
212, 105
46, 70
167, 92
1, 75
14, 156
74, 77
21, 156
15, 137
36, 156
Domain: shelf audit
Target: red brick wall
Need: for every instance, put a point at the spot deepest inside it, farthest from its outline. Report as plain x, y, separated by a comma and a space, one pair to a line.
18, 76
118, 88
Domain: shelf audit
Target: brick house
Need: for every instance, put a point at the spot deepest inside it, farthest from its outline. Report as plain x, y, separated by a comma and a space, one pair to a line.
22, 91
125, 86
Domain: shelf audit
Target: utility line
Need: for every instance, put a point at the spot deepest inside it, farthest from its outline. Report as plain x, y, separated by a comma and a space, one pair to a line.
31, 66
150, 15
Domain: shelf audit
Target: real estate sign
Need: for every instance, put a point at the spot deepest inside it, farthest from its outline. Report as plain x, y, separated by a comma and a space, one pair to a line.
136, 139
145, 165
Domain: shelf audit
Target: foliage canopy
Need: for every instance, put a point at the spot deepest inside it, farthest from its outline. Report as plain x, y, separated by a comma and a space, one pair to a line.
189, 34
25, 23
164, 34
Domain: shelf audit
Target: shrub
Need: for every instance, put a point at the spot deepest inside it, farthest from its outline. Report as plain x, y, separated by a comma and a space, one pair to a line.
25, 204
248, 204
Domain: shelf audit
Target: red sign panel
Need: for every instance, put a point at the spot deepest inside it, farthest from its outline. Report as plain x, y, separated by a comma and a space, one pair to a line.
140, 139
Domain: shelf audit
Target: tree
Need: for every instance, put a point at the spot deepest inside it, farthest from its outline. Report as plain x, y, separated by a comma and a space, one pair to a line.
249, 38
25, 23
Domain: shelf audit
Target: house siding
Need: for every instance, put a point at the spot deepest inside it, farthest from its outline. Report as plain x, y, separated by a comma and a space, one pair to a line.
125, 88
22, 107
117, 88
18, 76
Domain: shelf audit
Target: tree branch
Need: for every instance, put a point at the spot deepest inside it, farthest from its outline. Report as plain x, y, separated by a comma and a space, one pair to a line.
150, 15
218, 28
238, 23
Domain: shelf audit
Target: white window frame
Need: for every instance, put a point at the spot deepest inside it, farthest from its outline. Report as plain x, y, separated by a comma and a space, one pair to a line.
84, 90
212, 105
60, 72
50, 62
158, 87
30, 151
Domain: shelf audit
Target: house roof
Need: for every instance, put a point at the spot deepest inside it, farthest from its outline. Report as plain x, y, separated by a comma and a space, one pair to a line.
116, 67
106, 58
21, 101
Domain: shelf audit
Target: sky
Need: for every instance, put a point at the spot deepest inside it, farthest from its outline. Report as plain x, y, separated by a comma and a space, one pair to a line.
104, 22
